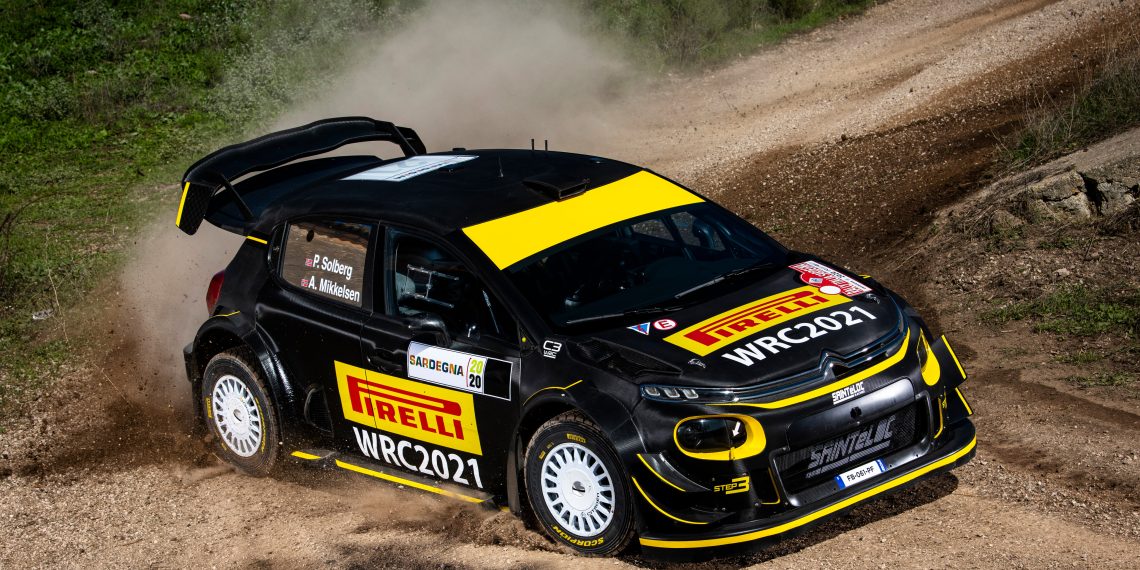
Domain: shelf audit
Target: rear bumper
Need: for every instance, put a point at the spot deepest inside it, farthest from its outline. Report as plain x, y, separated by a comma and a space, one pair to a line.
957, 449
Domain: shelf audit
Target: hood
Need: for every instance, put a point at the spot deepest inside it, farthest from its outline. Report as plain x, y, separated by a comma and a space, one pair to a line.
774, 328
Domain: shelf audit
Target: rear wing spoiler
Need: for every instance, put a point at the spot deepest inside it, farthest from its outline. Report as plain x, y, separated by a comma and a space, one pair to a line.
214, 174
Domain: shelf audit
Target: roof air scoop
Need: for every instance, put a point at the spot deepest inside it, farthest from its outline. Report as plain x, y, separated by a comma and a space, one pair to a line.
556, 186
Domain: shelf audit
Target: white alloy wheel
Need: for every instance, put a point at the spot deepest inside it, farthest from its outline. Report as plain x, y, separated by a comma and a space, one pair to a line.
578, 489
237, 415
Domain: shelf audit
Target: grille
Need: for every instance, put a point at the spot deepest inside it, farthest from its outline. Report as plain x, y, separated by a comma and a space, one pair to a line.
807, 466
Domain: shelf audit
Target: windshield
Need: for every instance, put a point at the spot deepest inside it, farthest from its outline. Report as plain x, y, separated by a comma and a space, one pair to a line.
654, 263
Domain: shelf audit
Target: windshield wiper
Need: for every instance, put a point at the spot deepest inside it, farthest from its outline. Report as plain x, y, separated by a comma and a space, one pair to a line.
735, 273
629, 313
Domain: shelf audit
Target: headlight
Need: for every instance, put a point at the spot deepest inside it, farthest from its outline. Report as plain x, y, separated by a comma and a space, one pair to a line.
721, 438
711, 434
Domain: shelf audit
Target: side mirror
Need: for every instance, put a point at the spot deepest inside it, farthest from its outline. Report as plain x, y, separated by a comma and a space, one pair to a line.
428, 324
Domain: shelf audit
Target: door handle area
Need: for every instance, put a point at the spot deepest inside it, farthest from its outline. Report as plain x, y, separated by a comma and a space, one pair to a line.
386, 360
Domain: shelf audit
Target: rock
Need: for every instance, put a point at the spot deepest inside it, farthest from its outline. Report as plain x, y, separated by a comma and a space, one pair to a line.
1076, 205
1062, 273
1113, 197
1059, 187
1126, 172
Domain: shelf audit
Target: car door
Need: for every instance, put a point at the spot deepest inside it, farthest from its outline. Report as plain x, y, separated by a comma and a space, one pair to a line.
443, 365
314, 311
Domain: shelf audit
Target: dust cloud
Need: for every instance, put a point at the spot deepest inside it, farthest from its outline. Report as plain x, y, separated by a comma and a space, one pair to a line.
164, 286
472, 74
482, 75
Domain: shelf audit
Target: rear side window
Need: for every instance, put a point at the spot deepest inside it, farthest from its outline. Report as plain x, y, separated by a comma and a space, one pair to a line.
326, 259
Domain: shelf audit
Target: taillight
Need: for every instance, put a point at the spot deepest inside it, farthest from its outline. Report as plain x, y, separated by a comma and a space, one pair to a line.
214, 290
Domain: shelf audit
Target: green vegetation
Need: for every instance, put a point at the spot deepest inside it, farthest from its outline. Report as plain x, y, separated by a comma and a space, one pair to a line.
1106, 104
693, 33
1104, 379
1079, 357
103, 103
1078, 310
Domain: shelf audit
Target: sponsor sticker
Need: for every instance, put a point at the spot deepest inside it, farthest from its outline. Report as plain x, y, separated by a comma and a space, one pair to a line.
737, 485
551, 348
744, 321
860, 473
410, 167
799, 333
643, 328
418, 459
451, 368
840, 396
860, 443
412, 409
665, 324
829, 281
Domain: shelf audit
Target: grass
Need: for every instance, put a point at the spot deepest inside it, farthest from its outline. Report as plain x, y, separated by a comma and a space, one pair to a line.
1106, 104
102, 105
1078, 310
1079, 357
688, 34
1104, 379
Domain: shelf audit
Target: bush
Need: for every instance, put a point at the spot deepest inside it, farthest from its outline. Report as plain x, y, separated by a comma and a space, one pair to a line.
1106, 104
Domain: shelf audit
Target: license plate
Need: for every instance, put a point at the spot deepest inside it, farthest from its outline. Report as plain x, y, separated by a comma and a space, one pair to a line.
860, 473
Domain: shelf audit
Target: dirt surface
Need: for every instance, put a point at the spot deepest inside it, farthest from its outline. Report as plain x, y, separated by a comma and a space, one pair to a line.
856, 141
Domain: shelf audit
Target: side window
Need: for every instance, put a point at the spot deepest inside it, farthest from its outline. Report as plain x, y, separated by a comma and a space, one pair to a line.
428, 279
326, 259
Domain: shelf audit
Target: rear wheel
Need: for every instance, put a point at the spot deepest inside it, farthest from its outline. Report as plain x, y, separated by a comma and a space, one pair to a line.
577, 487
239, 413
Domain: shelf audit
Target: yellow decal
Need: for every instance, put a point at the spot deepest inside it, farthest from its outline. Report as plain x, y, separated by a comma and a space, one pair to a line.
577, 542
257, 239
575, 437
737, 485
512, 238
412, 409
744, 321
182, 204
838, 385
931, 370
659, 509
815, 515
754, 440
406, 482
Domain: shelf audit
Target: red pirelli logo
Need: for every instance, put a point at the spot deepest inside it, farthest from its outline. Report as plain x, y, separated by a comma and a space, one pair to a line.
730, 326
412, 409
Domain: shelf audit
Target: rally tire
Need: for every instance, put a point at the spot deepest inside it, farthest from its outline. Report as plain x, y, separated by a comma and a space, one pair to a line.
239, 415
569, 455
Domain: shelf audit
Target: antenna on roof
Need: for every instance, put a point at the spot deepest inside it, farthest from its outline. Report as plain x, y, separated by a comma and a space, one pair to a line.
532, 145
545, 145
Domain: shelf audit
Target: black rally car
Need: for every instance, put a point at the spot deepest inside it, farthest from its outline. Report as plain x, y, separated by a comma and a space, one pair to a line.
562, 335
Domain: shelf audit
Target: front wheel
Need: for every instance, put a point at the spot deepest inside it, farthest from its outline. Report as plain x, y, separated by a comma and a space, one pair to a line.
238, 412
577, 487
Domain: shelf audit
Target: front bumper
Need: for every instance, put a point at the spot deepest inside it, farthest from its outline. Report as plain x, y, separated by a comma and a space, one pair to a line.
957, 447
912, 421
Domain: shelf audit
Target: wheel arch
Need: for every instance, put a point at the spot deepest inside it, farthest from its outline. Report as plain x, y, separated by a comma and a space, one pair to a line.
605, 411
221, 334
